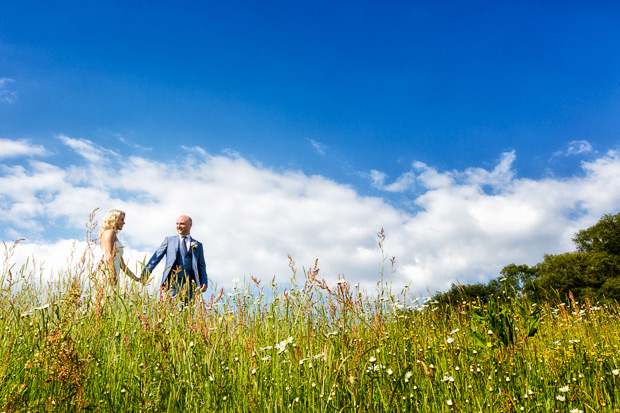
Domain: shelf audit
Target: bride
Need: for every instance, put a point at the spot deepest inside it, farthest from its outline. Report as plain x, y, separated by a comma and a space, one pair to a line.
112, 248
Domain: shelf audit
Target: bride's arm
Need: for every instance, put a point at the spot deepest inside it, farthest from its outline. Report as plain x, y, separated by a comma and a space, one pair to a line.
108, 239
127, 271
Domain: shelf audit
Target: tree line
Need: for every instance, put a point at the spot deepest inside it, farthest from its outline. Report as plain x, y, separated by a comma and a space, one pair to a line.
592, 271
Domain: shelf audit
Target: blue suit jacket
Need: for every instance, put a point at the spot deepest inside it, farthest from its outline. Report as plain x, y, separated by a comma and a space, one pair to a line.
169, 248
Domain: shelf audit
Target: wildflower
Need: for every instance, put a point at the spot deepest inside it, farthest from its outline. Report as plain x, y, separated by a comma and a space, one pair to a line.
253, 371
615, 372
449, 402
449, 340
235, 280
373, 359
564, 389
447, 378
389, 372
455, 331
376, 367
560, 398
490, 332
575, 411
408, 376
282, 345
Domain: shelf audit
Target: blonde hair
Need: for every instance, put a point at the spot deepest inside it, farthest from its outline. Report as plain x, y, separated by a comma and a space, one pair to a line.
109, 221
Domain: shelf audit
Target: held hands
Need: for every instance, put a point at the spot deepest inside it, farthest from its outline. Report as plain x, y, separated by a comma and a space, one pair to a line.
138, 279
144, 277
145, 280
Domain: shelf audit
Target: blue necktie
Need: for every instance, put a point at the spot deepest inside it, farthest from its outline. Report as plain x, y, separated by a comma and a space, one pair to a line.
183, 246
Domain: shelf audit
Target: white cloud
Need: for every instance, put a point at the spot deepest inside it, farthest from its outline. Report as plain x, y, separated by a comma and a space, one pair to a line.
132, 144
6, 95
194, 150
404, 182
88, 150
501, 175
577, 147
250, 217
318, 146
378, 178
12, 148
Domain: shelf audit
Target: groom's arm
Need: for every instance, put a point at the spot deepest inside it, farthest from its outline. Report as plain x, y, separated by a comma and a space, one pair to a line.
202, 270
157, 256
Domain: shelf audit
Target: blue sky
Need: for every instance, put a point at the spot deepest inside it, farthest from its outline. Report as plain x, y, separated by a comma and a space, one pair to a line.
393, 106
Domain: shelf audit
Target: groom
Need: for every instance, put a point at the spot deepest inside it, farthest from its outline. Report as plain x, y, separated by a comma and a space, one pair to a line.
185, 262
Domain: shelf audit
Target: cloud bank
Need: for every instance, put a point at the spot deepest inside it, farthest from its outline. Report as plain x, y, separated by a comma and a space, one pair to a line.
463, 225
14, 148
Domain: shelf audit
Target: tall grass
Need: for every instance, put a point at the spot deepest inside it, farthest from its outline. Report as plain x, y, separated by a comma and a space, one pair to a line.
79, 346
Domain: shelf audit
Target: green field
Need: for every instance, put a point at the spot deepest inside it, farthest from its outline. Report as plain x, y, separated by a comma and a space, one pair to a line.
76, 346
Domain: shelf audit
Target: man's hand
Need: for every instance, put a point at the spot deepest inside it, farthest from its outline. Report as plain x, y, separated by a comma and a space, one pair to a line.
203, 288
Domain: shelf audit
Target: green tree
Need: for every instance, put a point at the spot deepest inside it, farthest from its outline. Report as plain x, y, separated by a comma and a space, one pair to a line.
592, 271
592, 274
604, 236
470, 292
522, 279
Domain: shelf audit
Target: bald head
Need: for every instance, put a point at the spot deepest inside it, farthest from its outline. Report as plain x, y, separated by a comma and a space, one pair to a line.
184, 225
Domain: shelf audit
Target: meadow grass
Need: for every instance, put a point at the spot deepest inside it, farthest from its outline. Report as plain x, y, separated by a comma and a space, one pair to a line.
76, 345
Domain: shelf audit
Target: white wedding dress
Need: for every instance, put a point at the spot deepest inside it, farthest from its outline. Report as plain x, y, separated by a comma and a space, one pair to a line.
118, 249
118, 254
